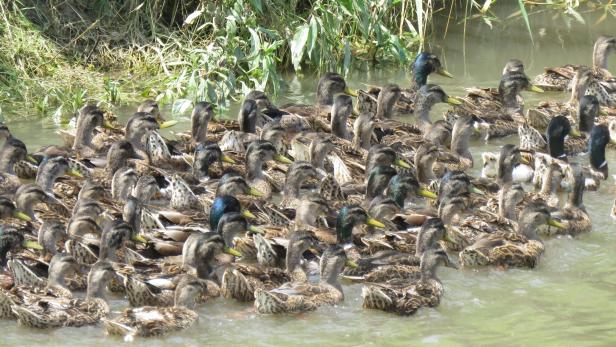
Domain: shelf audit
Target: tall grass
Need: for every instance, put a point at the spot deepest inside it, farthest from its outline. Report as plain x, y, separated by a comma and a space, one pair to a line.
57, 55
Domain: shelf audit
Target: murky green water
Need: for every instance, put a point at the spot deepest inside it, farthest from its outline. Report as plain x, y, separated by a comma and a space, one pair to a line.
569, 299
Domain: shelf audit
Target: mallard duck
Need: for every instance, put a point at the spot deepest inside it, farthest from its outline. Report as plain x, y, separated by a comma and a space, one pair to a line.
259, 152
13, 241
240, 281
597, 171
427, 96
8, 210
199, 250
157, 321
500, 108
296, 297
520, 249
11, 152
417, 289
49, 312
558, 78
573, 216
29, 195
328, 86
60, 266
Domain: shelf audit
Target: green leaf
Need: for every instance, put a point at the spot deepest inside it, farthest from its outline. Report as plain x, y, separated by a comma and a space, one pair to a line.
255, 41
525, 16
181, 106
298, 43
257, 5
312, 36
347, 58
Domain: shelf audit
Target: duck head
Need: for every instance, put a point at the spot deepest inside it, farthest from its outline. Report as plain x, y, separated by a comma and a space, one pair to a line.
432, 231
603, 47
5, 133
428, 96
200, 118
425, 157
509, 158
60, 266
320, 147
52, 168
426, 63
8, 210
90, 117
48, 235
588, 110
207, 154
232, 224
12, 151
297, 174
340, 112
311, 207
329, 85
509, 199
119, 154
99, 276
247, 117
299, 243
31, 194
13, 240
558, 128
378, 180
582, 79
232, 184
535, 215
405, 186
224, 204
187, 291
259, 152
138, 128
380, 154
512, 82
463, 128
348, 218
388, 96
599, 138
113, 237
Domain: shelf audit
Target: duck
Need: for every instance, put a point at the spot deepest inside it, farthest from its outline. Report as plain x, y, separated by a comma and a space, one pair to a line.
427, 96
573, 215
241, 280
44, 311
297, 297
9, 210
60, 266
520, 249
597, 170
151, 321
405, 295
498, 107
329, 85
559, 78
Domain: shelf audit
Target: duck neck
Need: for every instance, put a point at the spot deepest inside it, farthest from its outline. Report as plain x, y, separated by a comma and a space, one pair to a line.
339, 122
385, 105
293, 259
96, 287
254, 168
292, 186
425, 172
427, 269
599, 56
7, 162
363, 128
318, 155
579, 90
199, 129
57, 278
460, 138
331, 278
506, 207
84, 135
420, 78
597, 159
556, 145
577, 195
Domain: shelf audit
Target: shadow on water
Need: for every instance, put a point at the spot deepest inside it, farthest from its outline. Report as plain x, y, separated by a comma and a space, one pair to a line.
568, 299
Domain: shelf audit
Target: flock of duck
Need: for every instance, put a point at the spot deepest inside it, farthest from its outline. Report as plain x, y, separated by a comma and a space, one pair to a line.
282, 207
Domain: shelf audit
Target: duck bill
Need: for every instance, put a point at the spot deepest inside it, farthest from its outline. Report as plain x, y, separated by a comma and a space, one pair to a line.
31, 245
232, 251
227, 159
426, 193
453, 101
168, 124
351, 264
375, 223
575, 132
448, 238
402, 163
138, 238
253, 229
556, 224
31, 159
282, 159
524, 161
533, 88
444, 72
20, 215
476, 190
254, 192
248, 214
350, 91
74, 173
107, 125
